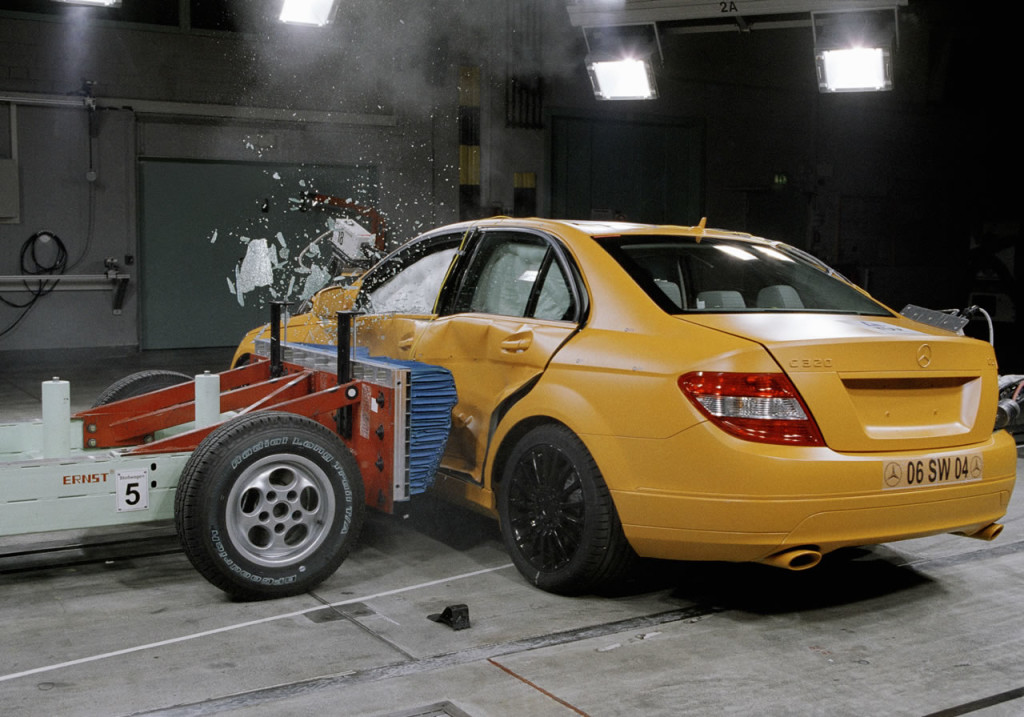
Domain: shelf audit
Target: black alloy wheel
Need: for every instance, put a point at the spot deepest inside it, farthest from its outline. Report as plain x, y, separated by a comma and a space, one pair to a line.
557, 517
545, 508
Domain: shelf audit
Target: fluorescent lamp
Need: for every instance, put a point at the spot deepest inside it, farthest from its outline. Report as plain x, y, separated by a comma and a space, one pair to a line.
852, 49
97, 3
625, 79
857, 69
307, 12
619, 61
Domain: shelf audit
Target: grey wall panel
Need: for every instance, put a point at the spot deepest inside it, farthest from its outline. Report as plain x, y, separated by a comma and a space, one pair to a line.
198, 221
94, 220
643, 170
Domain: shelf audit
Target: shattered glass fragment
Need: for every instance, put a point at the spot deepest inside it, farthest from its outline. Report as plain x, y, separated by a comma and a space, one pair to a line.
414, 289
317, 279
257, 267
239, 295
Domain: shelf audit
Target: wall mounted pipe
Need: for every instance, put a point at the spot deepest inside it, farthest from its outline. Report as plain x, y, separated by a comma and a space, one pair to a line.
210, 111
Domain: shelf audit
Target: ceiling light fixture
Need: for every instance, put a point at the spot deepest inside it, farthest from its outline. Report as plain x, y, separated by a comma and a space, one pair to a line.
308, 12
625, 79
620, 61
94, 3
853, 50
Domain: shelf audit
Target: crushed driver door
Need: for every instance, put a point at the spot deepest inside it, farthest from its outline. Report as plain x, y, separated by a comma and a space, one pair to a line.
397, 298
501, 319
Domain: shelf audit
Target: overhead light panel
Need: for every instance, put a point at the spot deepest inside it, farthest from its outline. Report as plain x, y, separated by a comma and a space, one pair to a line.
94, 3
857, 69
308, 12
620, 61
626, 79
853, 50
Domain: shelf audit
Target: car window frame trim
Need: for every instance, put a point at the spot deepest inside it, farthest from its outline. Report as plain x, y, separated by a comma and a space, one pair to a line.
556, 249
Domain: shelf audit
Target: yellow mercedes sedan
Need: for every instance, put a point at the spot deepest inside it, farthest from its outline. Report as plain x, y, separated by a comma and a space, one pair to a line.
678, 392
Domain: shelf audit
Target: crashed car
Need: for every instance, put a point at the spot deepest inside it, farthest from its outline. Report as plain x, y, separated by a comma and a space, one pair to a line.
677, 392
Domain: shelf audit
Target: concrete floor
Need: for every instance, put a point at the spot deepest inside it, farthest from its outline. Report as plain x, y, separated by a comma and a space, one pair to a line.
118, 622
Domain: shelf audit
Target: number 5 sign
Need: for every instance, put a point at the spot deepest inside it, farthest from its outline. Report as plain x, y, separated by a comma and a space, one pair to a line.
132, 489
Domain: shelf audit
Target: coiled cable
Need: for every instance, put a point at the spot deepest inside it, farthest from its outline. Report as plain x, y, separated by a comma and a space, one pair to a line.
37, 261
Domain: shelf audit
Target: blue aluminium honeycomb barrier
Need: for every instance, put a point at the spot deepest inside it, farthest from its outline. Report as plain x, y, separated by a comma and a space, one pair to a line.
432, 396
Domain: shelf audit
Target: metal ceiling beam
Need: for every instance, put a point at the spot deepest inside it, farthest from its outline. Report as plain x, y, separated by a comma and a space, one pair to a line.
591, 13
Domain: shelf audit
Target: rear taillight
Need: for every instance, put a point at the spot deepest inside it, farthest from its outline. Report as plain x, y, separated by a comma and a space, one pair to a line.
763, 407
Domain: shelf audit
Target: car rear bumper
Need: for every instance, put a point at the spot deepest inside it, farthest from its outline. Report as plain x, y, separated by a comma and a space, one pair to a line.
734, 500
825, 526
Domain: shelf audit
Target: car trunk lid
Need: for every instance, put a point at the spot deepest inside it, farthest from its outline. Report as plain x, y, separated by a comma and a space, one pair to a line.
878, 384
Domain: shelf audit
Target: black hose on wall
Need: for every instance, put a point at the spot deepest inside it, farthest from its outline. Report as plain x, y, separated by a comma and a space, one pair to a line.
37, 259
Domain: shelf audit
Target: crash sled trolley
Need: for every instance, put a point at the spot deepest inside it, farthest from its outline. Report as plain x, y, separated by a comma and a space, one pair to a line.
266, 469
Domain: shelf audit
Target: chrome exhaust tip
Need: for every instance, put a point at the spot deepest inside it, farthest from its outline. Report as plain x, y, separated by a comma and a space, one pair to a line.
794, 559
989, 532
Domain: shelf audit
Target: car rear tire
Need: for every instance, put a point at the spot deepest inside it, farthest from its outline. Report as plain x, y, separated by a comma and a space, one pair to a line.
139, 383
558, 520
269, 505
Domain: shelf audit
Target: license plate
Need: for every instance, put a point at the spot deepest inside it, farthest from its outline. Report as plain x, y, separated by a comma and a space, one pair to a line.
932, 470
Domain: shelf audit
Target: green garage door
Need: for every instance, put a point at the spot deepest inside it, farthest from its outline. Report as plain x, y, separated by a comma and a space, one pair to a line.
203, 228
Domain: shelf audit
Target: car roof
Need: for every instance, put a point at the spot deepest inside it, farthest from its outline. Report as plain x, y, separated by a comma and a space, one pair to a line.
597, 228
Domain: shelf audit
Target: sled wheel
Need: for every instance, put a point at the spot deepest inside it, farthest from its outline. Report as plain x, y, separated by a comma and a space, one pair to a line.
269, 505
139, 383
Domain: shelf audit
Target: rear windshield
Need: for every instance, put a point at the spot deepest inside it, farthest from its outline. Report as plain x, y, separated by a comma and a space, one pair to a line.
683, 275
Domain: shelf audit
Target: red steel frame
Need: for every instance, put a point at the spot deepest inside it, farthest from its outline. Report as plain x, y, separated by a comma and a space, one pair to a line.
130, 425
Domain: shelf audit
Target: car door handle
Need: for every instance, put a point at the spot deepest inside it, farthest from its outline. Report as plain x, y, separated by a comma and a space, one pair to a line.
405, 343
517, 342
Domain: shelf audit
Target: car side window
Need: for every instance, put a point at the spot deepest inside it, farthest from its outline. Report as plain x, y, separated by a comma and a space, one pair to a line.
554, 300
409, 280
514, 274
